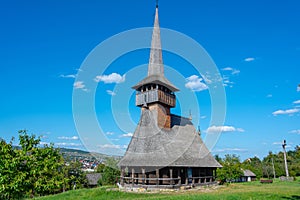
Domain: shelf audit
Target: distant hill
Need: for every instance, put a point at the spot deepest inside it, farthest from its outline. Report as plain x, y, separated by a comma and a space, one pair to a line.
75, 154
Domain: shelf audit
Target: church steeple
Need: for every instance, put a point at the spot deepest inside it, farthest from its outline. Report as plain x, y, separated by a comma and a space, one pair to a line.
156, 67
155, 92
156, 62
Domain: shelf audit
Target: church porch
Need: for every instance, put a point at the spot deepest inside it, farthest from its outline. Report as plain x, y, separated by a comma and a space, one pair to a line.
168, 177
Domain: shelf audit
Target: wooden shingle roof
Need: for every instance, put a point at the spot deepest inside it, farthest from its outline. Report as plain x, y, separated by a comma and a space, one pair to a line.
151, 146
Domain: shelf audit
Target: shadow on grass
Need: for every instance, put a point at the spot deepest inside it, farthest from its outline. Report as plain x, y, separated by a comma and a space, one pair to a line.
294, 197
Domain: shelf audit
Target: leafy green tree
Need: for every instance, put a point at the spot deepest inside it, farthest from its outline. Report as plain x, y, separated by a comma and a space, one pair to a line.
12, 180
278, 165
294, 161
110, 172
44, 166
231, 169
75, 177
29, 170
255, 165
100, 168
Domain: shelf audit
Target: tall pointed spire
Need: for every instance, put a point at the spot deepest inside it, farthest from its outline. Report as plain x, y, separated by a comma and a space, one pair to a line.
156, 66
156, 62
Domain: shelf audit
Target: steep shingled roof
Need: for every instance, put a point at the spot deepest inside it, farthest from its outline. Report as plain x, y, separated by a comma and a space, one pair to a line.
151, 146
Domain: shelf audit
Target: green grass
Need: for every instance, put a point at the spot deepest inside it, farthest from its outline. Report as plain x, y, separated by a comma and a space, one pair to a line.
252, 190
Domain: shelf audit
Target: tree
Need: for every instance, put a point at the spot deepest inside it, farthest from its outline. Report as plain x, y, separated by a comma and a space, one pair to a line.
294, 161
75, 177
231, 169
29, 170
110, 172
11, 179
255, 165
278, 165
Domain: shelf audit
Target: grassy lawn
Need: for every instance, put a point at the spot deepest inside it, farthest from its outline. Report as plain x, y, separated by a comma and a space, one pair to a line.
252, 190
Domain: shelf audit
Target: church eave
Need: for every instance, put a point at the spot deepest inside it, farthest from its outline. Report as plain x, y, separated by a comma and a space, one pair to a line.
156, 79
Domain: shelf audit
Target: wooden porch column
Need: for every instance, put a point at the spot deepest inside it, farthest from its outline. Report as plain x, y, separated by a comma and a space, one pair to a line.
205, 175
179, 176
171, 176
122, 177
199, 180
143, 176
157, 176
132, 177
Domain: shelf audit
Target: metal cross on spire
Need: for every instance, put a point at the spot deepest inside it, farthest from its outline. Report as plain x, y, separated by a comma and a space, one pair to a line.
156, 3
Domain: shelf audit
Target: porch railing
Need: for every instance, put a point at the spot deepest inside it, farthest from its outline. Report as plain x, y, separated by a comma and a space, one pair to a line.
168, 181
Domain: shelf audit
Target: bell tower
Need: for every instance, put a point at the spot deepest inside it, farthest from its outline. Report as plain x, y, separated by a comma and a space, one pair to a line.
155, 92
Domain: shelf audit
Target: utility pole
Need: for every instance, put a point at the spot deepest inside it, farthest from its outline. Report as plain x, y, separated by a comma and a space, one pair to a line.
285, 162
273, 168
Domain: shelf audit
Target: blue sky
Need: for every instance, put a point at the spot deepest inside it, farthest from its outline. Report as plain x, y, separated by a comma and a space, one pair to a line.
254, 44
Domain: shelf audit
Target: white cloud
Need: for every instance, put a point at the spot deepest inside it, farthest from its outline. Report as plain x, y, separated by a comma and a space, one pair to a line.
80, 85
230, 150
280, 144
227, 69
277, 143
112, 93
207, 80
217, 129
111, 78
44, 143
231, 70
269, 96
195, 83
109, 146
110, 133
227, 82
297, 102
236, 71
226, 77
127, 135
68, 138
295, 131
68, 76
112, 146
249, 59
202, 117
240, 130
286, 112
68, 144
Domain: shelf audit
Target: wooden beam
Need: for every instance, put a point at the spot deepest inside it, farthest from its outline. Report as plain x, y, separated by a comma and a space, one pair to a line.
143, 175
171, 176
122, 177
157, 176
132, 176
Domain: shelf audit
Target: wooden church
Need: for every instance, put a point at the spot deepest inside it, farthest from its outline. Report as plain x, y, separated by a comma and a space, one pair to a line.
165, 151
